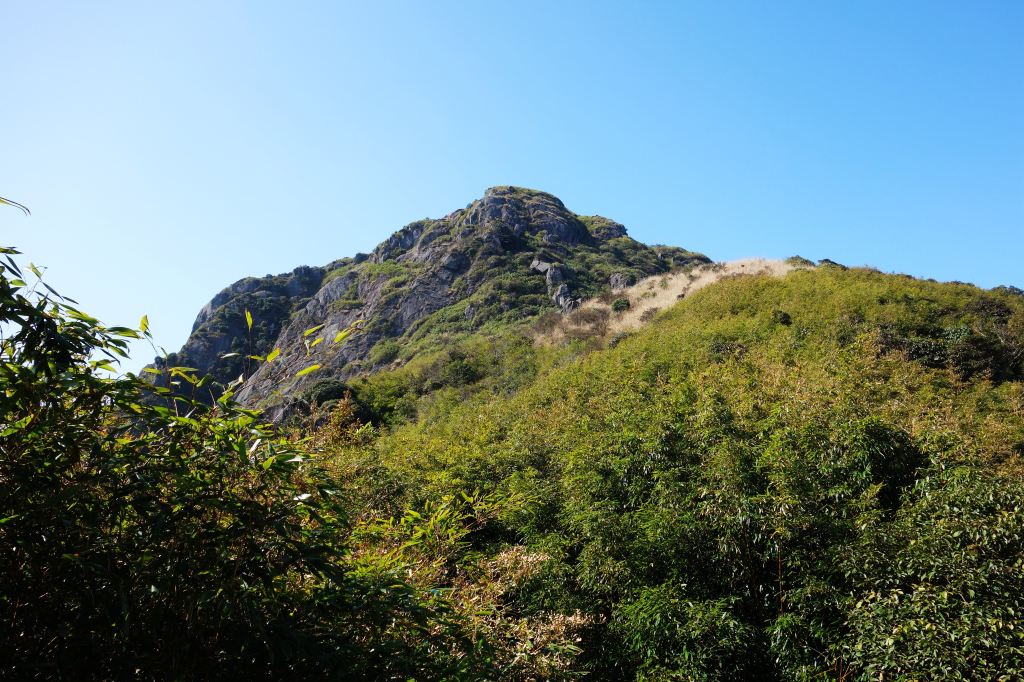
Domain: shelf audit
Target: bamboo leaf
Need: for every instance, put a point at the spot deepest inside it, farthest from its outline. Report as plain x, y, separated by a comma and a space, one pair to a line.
15, 204
144, 324
16, 426
273, 354
312, 330
248, 319
303, 372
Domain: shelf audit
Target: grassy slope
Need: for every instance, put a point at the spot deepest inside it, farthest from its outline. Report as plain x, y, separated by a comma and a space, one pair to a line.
777, 477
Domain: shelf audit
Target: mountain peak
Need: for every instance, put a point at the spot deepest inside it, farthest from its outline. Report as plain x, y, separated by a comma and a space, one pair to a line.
505, 258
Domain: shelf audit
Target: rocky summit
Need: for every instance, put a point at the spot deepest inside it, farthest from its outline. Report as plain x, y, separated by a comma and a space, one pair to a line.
507, 257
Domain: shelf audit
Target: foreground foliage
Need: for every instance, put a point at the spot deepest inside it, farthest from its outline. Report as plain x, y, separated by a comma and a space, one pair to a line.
145, 535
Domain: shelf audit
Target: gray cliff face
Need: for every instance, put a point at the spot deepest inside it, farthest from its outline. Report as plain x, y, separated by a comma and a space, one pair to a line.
504, 258
221, 327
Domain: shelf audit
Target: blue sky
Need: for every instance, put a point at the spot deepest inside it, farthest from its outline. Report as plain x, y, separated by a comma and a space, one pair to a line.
169, 150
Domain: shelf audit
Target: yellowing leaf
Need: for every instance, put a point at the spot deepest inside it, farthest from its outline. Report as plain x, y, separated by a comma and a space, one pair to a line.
312, 330
248, 319
144, 324
303, 372
273, 354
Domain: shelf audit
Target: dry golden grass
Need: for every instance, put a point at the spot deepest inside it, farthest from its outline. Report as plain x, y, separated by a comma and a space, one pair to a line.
652, 295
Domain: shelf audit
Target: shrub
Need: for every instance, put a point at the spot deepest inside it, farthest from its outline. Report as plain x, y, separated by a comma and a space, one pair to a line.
648, 315
800, 262
147, 535
620, 305
323, 390
384, 352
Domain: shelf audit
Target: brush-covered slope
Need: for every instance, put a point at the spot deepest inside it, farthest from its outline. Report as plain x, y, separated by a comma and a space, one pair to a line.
504, 258
809, 476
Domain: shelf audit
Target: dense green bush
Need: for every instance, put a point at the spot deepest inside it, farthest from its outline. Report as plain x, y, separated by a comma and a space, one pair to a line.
168, 539
722, 495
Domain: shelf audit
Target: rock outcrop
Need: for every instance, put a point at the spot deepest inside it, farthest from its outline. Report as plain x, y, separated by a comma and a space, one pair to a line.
505, 258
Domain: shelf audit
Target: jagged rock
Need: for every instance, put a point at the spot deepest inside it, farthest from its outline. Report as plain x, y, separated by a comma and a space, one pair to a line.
455, 261
621, 280
472, 255
554, 276
221, 326
523, 210
563, 298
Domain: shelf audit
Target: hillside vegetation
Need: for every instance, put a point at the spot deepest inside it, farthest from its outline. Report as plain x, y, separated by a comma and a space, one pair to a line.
814, 474
779, 478
511, 255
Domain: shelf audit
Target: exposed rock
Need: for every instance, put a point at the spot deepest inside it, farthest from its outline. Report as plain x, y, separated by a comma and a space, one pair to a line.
563, 298
604, 229
221, 326
455, 261
473, 255
621, 280
555, 275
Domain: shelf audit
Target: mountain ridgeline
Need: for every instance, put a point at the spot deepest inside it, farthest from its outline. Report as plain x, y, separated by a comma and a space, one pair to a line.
505, 258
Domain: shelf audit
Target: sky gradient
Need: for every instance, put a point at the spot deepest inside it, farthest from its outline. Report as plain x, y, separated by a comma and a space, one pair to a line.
167, 151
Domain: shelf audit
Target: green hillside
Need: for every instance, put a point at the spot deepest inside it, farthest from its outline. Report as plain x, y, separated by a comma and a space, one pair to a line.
808, 476
780, 478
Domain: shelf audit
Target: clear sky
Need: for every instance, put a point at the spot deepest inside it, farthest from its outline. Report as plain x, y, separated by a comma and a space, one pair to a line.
169, 149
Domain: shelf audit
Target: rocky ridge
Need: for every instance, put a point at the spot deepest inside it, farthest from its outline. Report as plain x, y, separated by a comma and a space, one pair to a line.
506, 257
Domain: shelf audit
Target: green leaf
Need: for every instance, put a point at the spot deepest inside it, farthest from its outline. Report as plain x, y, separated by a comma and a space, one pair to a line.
303, 372
273, 354
312, 330
144, 324
248, 319
16, 426
15, 204
342, 335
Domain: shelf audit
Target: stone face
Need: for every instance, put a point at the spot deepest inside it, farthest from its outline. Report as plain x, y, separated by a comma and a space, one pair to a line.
475, 256
562, 297
555, 275
620, 280
221, 326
